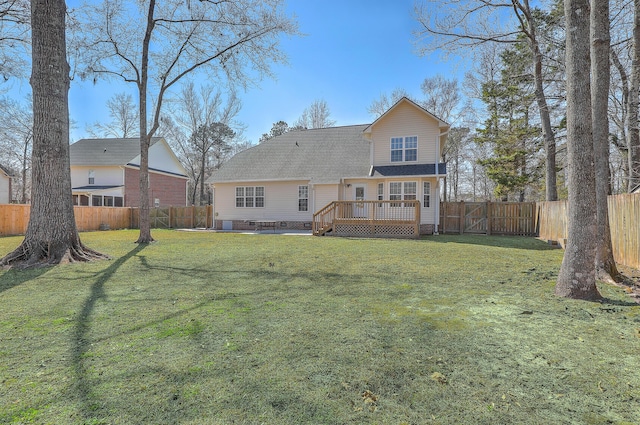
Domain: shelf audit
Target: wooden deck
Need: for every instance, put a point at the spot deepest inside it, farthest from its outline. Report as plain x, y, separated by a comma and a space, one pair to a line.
369, 219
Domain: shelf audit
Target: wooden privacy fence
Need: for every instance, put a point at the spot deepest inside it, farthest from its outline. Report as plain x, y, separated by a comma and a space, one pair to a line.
15, 217
624, 220
490, 218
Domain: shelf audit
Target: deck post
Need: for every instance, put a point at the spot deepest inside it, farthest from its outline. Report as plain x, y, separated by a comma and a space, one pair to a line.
417, 217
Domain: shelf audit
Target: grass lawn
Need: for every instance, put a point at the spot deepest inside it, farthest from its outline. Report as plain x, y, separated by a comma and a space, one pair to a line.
203, 328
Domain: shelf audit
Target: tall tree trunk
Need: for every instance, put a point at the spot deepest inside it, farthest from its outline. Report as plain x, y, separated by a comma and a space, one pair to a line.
601, 73
202, 165
577, 276
624, 85
145, 137
51, 236
633, 132
551, 190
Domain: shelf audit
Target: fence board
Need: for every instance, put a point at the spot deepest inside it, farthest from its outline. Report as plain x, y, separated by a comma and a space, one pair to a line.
498, 218
624, 221
14, 218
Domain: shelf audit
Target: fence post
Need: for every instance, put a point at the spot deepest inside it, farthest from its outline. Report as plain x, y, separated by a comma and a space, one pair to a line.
461, 214
489, 217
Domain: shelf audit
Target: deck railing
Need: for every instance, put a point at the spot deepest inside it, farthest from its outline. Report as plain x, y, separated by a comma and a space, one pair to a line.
369, 218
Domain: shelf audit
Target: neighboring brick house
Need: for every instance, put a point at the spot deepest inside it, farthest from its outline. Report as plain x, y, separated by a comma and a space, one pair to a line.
5, 185
106, 172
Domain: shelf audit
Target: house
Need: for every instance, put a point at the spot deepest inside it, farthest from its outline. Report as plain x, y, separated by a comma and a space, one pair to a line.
5, 185
105, 172
360, 171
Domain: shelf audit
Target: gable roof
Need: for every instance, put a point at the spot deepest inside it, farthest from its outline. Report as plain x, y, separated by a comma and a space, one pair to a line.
106, 151
5, 171
442, 124
324, 155
125, 152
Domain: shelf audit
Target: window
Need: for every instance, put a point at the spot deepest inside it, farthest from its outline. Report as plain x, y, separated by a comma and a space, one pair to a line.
395, 193
402, 191
96, 201
118, 201
426, 193
380, 193
249, 197
396, 149
303, 198
92, 177
404, 149
108, 201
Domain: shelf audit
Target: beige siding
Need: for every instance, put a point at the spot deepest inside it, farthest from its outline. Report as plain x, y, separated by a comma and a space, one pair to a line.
405, 120
324, 194
281, 202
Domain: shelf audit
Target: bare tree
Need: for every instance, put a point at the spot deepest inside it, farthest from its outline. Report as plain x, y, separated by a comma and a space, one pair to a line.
155, 45
469, 23
51, 236
577, 276
17, 137
633, 115
442, 97
192, 112
124, 118
382, 104
210, 139
14, 37
316, 116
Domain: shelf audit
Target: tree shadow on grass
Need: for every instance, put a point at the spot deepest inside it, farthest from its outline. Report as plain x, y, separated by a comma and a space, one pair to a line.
515, 242
15, 277
80, 341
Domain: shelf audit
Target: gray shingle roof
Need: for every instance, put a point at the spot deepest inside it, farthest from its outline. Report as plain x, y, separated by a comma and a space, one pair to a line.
321, 155
105, 151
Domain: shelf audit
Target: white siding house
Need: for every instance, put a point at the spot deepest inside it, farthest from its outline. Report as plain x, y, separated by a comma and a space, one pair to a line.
288, 178
5, 185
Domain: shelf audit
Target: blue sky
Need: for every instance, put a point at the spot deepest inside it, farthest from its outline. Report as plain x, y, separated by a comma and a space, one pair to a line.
353, 51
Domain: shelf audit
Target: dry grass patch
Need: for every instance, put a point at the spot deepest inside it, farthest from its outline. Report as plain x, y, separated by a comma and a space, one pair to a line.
248, 329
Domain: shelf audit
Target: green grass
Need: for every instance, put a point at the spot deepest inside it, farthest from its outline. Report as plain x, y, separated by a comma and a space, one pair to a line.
204, 328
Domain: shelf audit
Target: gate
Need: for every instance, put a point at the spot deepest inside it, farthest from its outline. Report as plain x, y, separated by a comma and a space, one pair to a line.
475, 217
502, 218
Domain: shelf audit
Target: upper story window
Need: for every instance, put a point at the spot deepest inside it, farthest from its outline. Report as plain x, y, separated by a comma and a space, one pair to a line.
404, 149
250, 197
92, 177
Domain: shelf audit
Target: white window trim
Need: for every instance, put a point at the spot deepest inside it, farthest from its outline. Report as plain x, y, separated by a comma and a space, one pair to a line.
300, 198
404, 148
254, 196
402, 193
425, 193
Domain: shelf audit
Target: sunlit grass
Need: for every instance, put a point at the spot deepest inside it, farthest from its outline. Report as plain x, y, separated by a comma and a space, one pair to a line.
203, 328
